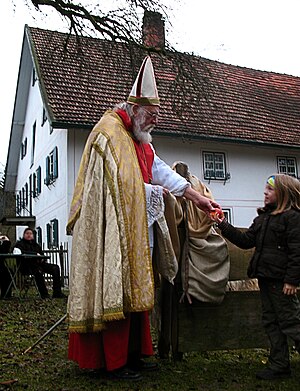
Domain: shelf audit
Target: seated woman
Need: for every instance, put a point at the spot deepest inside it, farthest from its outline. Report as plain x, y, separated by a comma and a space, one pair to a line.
37, 267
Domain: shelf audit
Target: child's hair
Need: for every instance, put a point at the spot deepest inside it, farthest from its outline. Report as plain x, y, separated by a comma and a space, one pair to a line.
287, 190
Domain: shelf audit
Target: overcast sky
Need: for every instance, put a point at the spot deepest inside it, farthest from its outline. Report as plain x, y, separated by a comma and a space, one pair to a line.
259, 34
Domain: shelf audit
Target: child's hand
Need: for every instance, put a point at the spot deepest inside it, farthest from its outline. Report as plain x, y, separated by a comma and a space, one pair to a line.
289, 289
217, 215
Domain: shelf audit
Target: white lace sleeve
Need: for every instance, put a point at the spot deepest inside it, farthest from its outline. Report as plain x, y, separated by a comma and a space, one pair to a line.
164, 175
155, 203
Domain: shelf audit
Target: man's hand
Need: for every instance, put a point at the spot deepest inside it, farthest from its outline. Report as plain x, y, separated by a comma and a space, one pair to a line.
200, 201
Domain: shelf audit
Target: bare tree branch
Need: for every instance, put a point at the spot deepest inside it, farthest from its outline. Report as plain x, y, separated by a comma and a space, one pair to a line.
120, 24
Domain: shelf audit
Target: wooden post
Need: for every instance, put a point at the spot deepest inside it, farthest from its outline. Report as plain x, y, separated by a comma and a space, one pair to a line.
62, 268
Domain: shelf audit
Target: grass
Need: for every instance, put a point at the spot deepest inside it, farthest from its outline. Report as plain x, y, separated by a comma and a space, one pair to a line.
46, 366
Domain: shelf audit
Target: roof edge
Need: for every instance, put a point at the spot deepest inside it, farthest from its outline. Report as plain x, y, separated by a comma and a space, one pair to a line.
234, 140
37, 69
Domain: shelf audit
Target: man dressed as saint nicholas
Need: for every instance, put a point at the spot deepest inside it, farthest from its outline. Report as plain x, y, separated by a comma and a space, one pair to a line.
117, 199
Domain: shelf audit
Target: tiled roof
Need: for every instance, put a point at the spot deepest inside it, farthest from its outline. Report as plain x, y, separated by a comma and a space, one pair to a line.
225, 102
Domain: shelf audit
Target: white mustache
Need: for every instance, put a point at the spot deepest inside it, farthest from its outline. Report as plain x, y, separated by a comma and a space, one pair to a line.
148, 128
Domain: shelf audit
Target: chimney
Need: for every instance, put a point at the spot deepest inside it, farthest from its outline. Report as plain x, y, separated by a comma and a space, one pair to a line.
153, 30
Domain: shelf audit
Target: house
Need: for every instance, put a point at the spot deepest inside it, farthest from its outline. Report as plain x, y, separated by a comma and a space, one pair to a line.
234, 126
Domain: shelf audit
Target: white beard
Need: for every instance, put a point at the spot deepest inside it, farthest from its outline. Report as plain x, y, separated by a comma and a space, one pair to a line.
143, 135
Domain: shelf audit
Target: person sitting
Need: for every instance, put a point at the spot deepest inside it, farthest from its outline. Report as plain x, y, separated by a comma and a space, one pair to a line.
37, 267
5, 278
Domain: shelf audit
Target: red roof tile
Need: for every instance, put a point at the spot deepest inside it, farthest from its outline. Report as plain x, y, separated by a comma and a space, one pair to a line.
203, 98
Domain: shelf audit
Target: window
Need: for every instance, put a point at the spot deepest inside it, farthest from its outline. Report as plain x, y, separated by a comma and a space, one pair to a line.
52, 234
23, 198
36, 182
24, 148
34, 78
44, 116
227, 214
214, 166
51, 167
287, 165
18, 203
38, 235
26, 194
33, 143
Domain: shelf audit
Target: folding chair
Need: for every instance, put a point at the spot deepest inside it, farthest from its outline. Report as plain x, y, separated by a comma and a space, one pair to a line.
27, 281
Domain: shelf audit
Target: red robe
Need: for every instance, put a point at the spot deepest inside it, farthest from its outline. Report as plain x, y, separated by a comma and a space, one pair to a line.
110, 348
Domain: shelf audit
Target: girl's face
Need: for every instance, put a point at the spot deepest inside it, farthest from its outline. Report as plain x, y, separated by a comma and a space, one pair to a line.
270, 196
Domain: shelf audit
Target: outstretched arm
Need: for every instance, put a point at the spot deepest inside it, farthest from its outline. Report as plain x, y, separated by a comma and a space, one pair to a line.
202, 202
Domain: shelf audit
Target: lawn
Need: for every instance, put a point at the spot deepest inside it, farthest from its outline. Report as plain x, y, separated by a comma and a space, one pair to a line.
46, 366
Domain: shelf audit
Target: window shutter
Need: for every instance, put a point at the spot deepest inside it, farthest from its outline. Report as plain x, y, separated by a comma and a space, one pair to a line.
49, 244
18, 204
39, 235
55, 232
33, 190
55, 162
47, 170
38, 180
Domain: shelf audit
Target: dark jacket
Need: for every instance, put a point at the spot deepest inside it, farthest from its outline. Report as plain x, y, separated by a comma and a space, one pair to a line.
276, 239
31, 265
29, 247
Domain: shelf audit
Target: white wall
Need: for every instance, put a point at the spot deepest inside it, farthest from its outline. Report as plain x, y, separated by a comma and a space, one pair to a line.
76, 143
51, 203
249, 168
241, 194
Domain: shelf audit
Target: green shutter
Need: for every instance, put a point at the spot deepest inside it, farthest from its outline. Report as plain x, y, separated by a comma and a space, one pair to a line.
55, 232
33, 190
55, 162
47, 170
38, 180
49, 244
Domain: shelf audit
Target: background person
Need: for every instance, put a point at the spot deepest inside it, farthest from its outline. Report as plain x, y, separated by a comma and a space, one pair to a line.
37, 267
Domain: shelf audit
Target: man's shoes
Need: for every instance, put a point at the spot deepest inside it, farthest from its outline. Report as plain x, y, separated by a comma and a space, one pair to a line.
125, 373
59, 296
270, 374
141, 365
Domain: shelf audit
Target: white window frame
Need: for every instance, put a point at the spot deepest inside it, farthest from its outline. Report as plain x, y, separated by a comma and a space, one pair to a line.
287, 165
214, 166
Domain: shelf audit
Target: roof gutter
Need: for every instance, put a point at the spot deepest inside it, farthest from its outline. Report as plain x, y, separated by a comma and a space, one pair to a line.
187, 136
235, 140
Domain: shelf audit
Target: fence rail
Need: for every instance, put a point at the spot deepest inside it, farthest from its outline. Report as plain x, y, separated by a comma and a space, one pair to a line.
60, 257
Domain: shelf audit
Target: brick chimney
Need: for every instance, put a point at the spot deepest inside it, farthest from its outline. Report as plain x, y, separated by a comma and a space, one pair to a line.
153, 30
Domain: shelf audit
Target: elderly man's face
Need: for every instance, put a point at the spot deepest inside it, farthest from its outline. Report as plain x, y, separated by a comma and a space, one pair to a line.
144, 121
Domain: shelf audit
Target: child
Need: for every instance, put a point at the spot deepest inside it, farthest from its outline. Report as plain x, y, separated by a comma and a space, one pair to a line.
275, 234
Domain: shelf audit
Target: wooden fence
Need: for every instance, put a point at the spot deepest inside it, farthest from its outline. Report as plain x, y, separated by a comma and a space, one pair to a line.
60, 257
233, 324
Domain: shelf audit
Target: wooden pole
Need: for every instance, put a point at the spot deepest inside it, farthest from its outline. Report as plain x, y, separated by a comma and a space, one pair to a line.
46, 334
